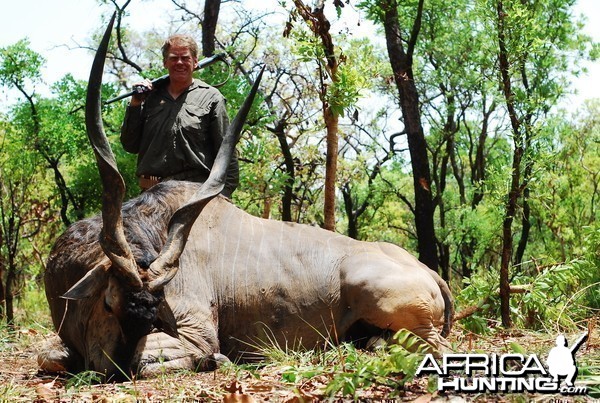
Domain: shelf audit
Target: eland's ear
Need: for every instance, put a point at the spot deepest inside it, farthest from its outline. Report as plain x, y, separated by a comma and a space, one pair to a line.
165, 320
93, 282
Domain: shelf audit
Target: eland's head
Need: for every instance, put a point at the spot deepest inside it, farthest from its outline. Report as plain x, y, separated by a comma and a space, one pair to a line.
119, 297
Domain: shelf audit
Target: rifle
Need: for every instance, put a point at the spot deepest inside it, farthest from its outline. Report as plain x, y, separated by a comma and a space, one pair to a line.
201, 64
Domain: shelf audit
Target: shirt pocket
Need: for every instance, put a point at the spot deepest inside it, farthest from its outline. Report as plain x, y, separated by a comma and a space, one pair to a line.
154, 113
194, 124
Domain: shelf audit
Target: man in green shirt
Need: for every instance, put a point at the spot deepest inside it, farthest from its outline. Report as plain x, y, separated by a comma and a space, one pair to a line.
177, 128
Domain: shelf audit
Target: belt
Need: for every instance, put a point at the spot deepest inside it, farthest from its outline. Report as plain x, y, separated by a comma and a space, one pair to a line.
147, 181
192, 176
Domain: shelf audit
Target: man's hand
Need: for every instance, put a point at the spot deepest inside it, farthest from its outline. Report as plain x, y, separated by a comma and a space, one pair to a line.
141, 92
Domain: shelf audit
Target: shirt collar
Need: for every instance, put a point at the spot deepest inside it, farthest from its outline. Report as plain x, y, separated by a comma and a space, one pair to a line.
198, 84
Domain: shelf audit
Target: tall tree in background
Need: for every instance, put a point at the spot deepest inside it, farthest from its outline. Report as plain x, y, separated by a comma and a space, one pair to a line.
401, 43
19, 201
458, 104
530, 73
208, 21
209, 26
20, 69
319, 25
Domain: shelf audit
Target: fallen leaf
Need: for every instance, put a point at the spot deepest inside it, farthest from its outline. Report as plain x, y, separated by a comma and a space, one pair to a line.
304, 396
31, 332
46, 391
234, 387
423, 399
238, 398
259, 388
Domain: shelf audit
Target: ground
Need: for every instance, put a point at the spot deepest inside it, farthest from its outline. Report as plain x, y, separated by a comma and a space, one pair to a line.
20, 379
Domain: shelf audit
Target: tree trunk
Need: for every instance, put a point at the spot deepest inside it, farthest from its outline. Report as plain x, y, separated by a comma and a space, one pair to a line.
448, 160
525, 228
401, 62
288, 160
351, 213
478, 166
10, 283
209, 26
2, 293
266, 214
331, 122
478, 169
515, 188
319, 25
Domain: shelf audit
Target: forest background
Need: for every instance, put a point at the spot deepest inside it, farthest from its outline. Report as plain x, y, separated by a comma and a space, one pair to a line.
449, 128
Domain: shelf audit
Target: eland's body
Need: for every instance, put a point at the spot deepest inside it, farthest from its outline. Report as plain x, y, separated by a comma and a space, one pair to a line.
242, 282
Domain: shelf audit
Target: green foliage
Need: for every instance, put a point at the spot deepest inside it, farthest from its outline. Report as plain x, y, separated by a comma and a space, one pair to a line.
481, 289
589, 372
387, 217
342, 91
349, 370
540, 36
19, 65
556, 298
261, 177
32, 307
393, 366
83, 379
22, 215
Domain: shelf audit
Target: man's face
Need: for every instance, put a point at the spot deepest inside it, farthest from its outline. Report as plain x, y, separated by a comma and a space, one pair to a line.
180, 64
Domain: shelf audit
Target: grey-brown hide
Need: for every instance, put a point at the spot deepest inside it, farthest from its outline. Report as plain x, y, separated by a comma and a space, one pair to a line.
244, 281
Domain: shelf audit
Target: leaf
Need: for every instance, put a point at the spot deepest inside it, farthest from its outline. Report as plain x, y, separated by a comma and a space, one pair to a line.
517, 348
423, 399
234, 387
259, 388
238, 398
289, 376
46, 391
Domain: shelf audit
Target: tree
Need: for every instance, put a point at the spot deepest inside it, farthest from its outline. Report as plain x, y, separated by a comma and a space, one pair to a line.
208, 21
530, 83
319, 25
366, 150
209, 26
20, 69
568, 184
21, 211
452, 85
401, 43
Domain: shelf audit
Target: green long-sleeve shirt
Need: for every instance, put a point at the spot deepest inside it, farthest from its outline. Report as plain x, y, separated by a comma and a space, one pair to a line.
179, 137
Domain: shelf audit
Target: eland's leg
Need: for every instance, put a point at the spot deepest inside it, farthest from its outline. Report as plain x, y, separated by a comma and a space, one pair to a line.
55, 356
392, 296
158, 352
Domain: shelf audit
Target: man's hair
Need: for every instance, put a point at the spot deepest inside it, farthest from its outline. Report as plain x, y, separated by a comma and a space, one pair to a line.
180, 40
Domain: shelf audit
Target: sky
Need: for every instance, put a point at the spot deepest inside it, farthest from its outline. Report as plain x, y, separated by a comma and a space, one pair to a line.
56, 27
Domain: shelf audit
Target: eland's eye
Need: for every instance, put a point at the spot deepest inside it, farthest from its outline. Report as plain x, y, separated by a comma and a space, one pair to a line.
107, 307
